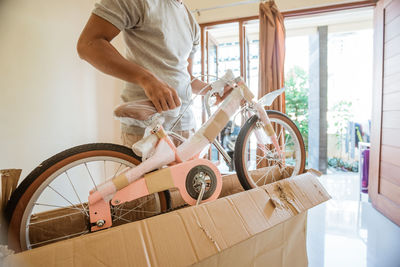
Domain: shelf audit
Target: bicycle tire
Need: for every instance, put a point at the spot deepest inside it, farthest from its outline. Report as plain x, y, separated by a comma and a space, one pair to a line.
242, 170
17, 207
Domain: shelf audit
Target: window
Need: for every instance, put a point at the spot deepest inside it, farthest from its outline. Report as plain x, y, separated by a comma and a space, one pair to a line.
235, 45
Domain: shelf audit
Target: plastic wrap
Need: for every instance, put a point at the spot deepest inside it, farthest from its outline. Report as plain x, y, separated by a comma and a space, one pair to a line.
142, 113
146, 146
193, 146
232, 103
267, 126
219, 85
162, 156
212, 127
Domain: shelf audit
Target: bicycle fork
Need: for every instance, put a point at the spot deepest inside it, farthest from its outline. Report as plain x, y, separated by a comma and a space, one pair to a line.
269, 129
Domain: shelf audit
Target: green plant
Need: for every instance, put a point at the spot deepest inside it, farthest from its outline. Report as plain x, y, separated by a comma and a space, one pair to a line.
342, 165
341, 115
296, 95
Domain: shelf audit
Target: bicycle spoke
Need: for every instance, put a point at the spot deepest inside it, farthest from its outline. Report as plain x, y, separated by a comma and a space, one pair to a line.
267, 154
79, 199
265, 175
105, 172
60, 203
62, 207
141, 204
95, 186
125, 220
280, 132
117, 209
115, 174
262, 148
51, 219
64, 198
255, 155
119, 217
145, 211
259, 161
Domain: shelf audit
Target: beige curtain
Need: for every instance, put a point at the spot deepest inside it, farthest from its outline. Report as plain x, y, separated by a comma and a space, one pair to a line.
272, 59
272, 53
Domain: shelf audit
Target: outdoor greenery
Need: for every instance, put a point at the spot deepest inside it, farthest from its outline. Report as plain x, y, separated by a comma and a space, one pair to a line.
296, 94
341, 115
342, 165
297, 91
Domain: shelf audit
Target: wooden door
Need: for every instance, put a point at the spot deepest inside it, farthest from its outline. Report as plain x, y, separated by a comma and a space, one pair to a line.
384, 188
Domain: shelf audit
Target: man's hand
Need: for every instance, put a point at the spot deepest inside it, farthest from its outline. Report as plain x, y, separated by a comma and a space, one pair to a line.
161, 94
227, 90
198, 85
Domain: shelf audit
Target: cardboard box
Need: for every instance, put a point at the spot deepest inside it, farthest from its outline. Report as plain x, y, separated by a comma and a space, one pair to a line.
259, 227
65, 221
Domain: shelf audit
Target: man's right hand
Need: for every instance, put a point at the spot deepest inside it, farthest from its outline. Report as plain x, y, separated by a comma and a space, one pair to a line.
161, 94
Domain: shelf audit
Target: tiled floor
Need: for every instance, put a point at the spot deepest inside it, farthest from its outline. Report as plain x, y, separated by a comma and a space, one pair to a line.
348, 232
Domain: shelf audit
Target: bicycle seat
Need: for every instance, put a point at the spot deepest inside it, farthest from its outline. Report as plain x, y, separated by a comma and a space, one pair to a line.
141, 113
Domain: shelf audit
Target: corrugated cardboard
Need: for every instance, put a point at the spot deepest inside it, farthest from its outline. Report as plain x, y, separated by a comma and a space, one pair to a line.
68, 220
259, 227
231, 184
281, 245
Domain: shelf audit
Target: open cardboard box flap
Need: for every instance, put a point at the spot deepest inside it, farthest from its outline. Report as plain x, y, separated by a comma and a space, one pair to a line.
266, 225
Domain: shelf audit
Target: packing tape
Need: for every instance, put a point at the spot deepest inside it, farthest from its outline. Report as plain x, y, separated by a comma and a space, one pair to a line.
315, 172
247, 94
269, 129
121, 181
159, 180
161, 133
216, 125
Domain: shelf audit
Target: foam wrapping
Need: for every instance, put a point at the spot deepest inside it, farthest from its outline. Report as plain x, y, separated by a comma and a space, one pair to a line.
211, 128
162, 156
142, 113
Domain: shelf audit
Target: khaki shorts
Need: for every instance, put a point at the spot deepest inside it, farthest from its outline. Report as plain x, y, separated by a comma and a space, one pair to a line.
129, 139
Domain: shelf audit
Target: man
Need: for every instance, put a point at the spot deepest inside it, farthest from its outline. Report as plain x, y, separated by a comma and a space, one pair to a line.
161, 37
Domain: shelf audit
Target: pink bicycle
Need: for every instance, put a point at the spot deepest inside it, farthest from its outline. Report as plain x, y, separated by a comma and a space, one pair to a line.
97, 186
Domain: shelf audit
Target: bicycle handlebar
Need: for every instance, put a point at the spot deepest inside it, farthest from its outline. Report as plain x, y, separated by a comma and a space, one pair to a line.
218, 87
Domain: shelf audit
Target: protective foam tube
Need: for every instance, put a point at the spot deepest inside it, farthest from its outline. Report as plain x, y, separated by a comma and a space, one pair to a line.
267, 126
212, 127
162, 156
193, 146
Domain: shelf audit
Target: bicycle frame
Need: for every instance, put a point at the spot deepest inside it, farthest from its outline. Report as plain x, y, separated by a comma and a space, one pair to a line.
247, 111
139, 181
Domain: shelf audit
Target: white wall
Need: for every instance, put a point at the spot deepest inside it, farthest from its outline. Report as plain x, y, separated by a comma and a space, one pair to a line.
250, 9
50, 100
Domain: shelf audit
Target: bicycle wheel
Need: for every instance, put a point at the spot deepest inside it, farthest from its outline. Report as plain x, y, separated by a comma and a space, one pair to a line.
250, 155
51, 203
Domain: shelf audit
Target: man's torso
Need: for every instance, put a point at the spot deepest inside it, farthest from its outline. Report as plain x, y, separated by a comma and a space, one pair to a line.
160, 39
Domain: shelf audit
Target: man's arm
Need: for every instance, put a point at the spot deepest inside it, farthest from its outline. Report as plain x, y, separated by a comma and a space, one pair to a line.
197, 84
94, 46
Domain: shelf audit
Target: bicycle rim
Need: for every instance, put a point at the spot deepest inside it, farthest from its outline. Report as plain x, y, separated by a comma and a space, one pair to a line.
60, 195
256, 160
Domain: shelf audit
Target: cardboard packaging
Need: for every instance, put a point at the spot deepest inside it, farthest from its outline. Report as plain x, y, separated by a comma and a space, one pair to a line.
265, 226
65, 221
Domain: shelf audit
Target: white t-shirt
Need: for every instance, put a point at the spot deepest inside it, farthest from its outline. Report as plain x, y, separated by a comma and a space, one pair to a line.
160, 35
